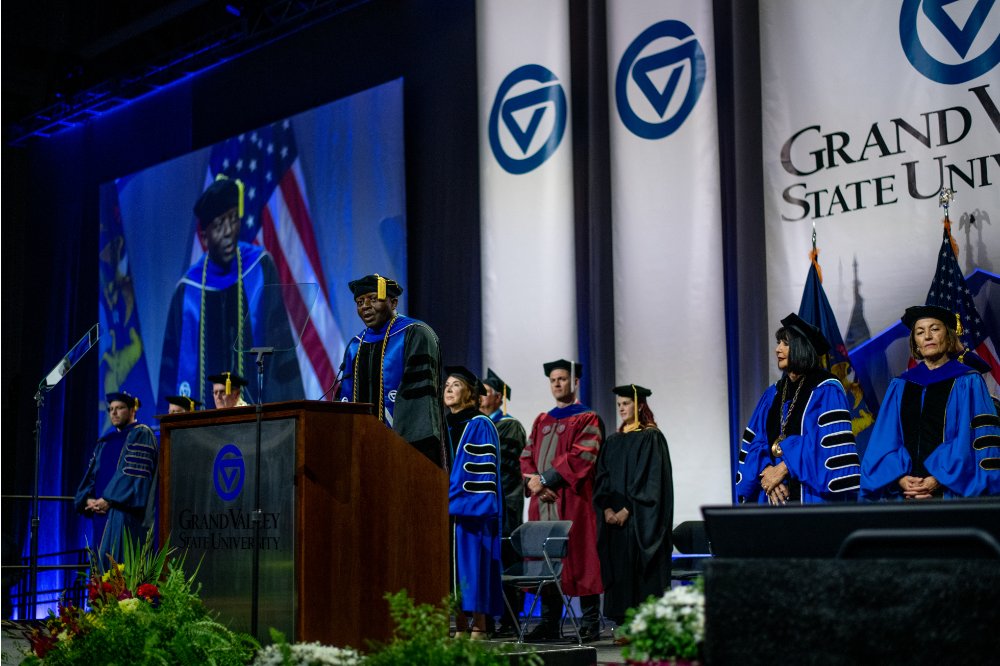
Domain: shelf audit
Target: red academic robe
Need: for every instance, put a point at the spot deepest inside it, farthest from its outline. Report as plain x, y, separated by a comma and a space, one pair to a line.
568, 439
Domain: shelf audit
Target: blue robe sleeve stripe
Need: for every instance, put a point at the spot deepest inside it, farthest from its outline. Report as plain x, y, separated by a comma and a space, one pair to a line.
484, 468
985, 442
990, 464
834, 416
837, 439
844, 484
480, 449
843, 460
984, 420
480, 487
748, 435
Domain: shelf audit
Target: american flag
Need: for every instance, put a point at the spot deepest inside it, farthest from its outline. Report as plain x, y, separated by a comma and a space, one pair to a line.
277, 215
949, 290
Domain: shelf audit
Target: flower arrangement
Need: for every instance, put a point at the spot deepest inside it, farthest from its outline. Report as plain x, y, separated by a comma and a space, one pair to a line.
144, 610
280, 653
667, 628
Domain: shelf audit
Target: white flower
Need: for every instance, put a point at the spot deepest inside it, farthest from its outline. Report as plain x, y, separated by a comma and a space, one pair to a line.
309, 654
129, 605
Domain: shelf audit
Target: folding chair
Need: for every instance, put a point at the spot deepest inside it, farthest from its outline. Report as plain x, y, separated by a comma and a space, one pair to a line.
541, 544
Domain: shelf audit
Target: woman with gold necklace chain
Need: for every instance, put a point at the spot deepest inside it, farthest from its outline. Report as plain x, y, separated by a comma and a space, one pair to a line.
798, 446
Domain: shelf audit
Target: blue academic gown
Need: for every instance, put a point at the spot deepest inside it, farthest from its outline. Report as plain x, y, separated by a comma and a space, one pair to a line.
819, 448
945, 416
121, 471
190, 344
475, 501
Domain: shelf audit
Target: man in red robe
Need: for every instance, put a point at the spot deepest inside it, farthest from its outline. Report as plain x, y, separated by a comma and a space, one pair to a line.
558, 466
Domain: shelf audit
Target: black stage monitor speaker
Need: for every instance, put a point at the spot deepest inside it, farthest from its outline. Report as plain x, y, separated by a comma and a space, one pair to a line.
966, 528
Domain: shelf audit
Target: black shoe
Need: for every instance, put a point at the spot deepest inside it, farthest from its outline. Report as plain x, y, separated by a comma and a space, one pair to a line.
590, 634
505, 631
545, 631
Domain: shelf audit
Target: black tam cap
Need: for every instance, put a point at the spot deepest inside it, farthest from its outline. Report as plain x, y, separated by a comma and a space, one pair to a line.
466, 376
382, 286
808, 331
230, 379
562, 364
499, 385
123, 396
918, 312
222, 195
184, 402
632, 391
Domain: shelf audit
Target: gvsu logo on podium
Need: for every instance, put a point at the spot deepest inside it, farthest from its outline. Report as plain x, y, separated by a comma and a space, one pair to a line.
950, 42
528, 118
229, 472
659, 79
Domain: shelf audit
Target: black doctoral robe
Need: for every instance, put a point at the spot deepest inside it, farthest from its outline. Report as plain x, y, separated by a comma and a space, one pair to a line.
633, 472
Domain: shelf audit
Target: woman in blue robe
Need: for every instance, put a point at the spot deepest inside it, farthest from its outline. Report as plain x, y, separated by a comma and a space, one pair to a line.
937, 433
798, 445
474, 502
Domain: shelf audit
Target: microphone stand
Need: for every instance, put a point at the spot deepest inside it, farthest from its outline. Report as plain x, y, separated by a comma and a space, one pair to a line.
35, 522
257, 516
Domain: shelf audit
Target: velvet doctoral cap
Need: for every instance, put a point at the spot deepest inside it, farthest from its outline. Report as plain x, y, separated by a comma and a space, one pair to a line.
808, 331
219, 197
383, 287
918, 312
499, 385
574, 368
467, 376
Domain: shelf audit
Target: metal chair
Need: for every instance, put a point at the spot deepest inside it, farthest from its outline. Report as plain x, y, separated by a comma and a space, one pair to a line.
541, 544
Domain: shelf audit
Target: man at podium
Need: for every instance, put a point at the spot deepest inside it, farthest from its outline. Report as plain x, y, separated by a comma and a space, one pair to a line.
394, 364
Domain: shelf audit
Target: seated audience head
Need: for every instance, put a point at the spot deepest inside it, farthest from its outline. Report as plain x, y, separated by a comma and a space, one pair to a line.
179, 404
226, 389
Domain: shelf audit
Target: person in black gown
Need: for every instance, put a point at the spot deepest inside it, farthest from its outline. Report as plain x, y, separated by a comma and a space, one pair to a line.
634, 502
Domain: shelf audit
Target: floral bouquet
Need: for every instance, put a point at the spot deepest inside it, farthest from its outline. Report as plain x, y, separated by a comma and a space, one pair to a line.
141, 611
667, 628
281, 653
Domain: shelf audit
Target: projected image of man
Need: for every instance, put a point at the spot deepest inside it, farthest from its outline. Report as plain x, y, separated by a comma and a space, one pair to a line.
219, 307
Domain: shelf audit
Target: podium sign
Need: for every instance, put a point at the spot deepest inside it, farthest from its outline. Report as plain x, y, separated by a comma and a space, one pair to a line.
213, 520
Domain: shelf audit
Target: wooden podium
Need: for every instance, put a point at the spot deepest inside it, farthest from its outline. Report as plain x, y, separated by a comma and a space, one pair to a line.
351, 511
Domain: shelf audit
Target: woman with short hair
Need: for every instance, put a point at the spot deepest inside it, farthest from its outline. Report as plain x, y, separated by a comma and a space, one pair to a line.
474, 502
937, 432
798, 445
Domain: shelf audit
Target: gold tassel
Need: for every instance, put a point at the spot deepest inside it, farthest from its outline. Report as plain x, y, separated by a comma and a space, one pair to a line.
229, 384
504, 399
635, 398
190, 405
380, 290
958, 325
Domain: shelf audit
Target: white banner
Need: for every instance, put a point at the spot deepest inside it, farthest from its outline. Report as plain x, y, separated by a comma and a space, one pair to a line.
669, 311
528, 264
869, 109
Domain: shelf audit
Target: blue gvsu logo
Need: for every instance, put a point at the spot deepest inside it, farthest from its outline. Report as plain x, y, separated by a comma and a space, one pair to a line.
528, 118
228, 472
660, 77
950, 44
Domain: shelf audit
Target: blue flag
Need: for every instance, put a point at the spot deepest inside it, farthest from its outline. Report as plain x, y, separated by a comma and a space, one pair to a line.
815, 309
